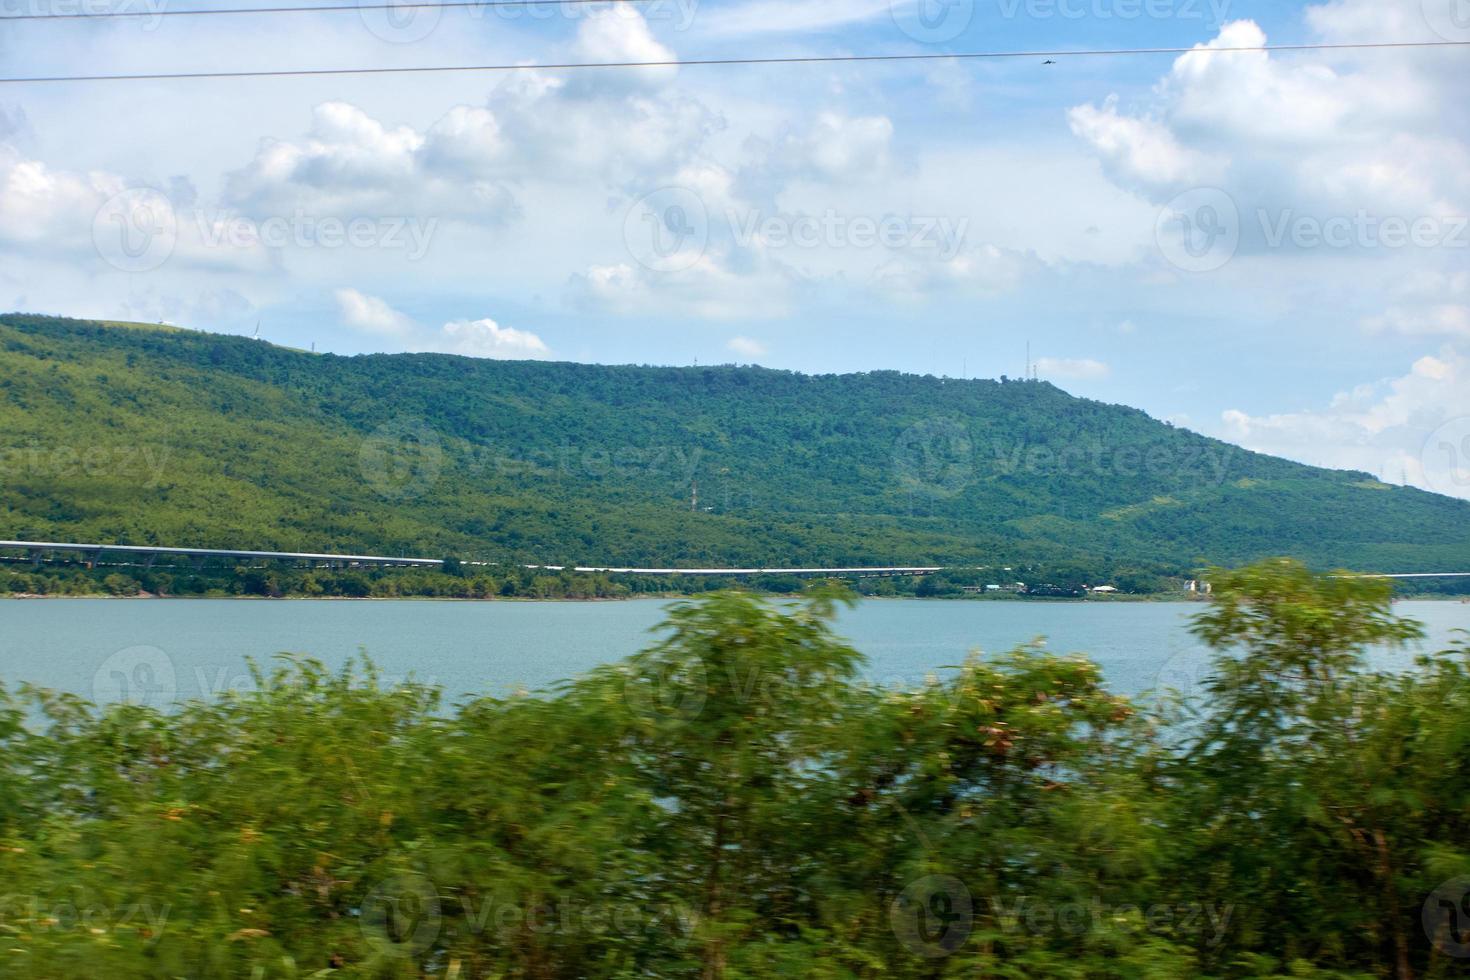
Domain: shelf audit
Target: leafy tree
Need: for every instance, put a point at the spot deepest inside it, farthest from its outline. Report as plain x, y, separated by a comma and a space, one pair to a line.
1300, 779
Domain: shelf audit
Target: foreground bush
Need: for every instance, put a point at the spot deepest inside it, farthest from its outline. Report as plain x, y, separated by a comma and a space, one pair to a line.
733, 802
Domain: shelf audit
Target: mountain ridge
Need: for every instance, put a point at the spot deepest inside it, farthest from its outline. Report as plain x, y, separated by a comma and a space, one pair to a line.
182, 437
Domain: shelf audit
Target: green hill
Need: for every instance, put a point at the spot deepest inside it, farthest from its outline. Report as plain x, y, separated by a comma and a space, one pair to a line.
177, 437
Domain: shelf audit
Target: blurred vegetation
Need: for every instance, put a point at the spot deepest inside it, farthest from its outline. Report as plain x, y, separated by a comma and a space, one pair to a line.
736, 802
176, 437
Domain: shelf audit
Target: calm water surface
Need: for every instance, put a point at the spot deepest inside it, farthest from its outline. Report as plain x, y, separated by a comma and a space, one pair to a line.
163, 650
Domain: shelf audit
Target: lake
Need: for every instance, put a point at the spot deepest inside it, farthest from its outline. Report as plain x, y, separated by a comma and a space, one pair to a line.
157, 651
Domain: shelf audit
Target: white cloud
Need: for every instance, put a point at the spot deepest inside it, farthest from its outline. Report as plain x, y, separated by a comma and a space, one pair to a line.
1292, 131
486, 338
107, 226
844, 146
1447, 319
620, 34
1349, 21
345, 152
1384, 428
789, 16
470, 338
44, 205
466, 138
1138, 151
830, 147
1075, 369
746, 346
350, 164
371, 314
709, 288
1329, 140
986, 269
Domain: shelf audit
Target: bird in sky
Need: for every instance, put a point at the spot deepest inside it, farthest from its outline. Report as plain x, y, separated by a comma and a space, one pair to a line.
1048, 62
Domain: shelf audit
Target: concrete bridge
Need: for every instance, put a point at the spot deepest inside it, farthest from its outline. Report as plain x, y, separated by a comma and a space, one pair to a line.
861, 571
92, 555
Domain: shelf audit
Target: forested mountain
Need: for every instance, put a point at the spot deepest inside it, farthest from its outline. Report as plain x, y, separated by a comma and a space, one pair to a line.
149, 435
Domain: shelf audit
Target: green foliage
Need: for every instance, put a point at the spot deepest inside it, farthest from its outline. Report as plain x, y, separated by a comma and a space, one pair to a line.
736, 802
184, 438
1332, 798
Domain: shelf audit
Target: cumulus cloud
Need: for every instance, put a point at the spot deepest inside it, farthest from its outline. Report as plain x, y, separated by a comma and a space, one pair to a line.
350, 164
1320, 158
107, 223
41, 204
1400, 429
1070, 368
841, 146
1280, 130
620, 34
1449, 319
486, 338
475, 163
373, 315
1430, 302
829, 147
470, 338
1139, 151
746, 346
467, 139
984, 268
708, 288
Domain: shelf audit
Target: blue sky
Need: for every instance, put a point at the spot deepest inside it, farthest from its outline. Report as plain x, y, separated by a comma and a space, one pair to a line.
1269, 248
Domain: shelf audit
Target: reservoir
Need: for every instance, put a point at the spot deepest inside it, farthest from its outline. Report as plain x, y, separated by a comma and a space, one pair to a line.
157, 651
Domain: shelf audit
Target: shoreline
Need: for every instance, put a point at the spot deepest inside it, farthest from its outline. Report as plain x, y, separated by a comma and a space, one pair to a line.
665, 596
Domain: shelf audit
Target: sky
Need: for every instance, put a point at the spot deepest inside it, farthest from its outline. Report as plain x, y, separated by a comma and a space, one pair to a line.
1266, 247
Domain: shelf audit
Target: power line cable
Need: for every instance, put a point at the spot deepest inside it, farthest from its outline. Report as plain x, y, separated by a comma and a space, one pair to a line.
319, 8
699, 62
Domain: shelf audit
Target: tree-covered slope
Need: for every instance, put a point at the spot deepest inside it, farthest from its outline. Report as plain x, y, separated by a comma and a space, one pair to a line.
185, 438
